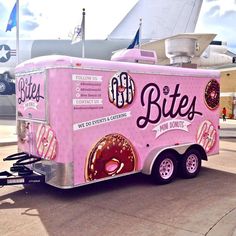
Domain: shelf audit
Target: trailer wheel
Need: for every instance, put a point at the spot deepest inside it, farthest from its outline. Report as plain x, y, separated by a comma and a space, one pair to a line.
164, 168
190, 164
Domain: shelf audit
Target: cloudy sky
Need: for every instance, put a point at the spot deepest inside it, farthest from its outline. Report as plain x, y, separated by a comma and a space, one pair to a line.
56, 19
219, 16
53, 19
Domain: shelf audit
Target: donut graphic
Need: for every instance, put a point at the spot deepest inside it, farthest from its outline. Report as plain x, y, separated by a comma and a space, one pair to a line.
46, 142
206, 135
23, 131
112, 155
121, 90
212, 94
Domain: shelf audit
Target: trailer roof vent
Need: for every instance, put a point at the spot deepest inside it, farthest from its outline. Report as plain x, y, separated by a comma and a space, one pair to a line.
135, 55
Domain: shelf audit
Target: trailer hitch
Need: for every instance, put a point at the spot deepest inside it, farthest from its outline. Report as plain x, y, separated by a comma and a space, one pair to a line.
19, 172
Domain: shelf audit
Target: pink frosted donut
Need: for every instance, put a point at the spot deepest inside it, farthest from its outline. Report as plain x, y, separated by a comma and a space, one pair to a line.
46, 142
206, 135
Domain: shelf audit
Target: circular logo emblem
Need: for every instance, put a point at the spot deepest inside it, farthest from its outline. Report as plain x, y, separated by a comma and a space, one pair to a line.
5, 53
166, 90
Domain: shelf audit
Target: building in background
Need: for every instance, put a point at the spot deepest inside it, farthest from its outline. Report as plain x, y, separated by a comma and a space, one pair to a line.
228, 91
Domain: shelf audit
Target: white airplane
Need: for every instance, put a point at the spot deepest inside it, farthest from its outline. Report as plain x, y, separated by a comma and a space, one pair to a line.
160, 20
194, 48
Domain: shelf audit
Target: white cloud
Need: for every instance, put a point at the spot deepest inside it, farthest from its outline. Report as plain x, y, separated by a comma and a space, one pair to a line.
57, 18
219, 17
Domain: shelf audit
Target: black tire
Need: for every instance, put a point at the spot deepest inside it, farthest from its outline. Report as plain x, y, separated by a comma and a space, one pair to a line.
4, 87
164, 168
190, 164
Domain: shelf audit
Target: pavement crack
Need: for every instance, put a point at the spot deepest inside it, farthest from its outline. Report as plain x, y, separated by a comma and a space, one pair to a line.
218, 221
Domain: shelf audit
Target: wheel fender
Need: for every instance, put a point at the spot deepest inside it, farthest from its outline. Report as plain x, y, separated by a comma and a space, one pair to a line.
200, 149
178, 150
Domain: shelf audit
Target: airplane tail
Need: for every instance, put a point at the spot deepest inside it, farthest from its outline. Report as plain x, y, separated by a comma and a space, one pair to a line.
160, 19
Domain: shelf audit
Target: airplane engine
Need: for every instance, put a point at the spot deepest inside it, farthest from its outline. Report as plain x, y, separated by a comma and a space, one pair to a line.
214, 55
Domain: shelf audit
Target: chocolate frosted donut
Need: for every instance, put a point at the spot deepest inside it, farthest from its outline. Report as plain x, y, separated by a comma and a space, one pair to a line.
112, 155
212, 94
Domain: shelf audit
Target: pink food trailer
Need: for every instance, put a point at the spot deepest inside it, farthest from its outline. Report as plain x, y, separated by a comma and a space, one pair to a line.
80, 121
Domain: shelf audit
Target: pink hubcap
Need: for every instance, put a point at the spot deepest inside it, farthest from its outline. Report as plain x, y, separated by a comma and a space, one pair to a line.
192, 163
166, 168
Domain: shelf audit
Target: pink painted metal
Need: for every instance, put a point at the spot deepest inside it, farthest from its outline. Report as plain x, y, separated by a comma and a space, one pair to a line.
97, 109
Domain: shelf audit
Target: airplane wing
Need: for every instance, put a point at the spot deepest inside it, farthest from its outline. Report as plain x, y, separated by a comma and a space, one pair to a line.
203, 41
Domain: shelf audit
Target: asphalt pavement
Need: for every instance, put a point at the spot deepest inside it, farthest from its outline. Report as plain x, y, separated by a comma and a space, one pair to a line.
8, 132
8, 106
130, 205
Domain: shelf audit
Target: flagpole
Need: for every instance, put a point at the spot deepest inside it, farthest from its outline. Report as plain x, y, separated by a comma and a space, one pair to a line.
17, 32
83, 33
140, 32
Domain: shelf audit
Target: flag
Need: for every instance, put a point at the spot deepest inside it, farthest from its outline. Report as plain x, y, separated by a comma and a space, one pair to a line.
12, 20
77, 35
135, 41
137, 37
79, 31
